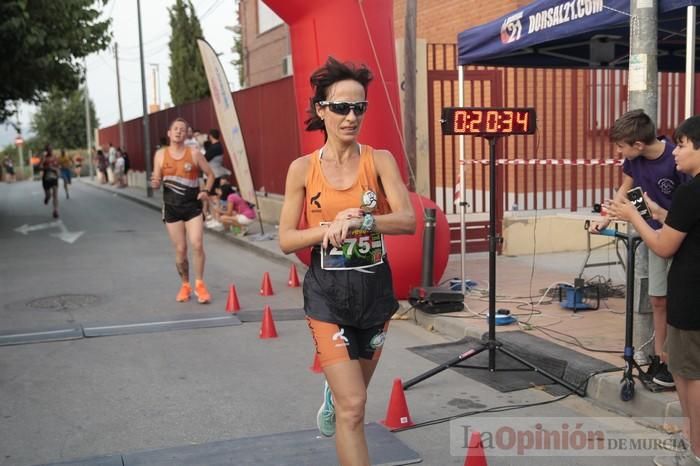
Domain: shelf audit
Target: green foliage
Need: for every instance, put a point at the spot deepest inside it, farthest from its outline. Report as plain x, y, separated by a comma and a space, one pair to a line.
187, 81
42, 42
60, 121
238, 62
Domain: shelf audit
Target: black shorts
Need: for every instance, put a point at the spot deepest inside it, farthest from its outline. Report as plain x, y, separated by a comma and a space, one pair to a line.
49, 183
181, 213
349, 297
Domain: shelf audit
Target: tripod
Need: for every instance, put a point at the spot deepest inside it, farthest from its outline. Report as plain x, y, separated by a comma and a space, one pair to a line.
491, 344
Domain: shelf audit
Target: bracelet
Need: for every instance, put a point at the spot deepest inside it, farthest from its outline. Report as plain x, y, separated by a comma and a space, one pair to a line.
368, 223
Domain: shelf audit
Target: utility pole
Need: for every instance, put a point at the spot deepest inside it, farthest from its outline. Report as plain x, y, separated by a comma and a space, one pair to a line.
409, 121
119, 97
88, 123
643, 93
20, 146
155, 71
146, 129
643, 68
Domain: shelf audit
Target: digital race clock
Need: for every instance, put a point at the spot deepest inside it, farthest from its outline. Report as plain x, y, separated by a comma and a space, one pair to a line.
484, 121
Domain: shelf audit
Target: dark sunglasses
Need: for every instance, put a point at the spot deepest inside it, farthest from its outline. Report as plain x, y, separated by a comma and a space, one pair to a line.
343, 108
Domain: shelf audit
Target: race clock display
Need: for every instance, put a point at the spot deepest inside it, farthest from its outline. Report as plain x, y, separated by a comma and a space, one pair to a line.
487, 121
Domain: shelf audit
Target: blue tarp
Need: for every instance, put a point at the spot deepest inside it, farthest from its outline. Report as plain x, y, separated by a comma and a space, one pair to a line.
573, 34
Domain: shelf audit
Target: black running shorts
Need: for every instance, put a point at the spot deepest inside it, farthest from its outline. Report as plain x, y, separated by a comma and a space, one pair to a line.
49, 183
361, 299
181, 213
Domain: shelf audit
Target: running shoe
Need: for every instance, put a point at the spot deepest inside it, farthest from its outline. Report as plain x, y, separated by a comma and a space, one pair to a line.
184, 294
325, 419
200, 289
55, 214
683, 459
677, 443
663, 377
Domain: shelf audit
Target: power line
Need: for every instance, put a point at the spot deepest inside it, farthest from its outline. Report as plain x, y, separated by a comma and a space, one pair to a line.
209, 10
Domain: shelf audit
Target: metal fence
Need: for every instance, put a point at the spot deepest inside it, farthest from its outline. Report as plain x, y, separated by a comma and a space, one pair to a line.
267, 114
569, 163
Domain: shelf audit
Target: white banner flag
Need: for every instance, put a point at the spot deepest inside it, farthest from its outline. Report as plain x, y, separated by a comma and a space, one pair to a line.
228, 119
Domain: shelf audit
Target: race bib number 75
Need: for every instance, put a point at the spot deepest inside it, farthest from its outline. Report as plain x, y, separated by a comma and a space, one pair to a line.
360, 250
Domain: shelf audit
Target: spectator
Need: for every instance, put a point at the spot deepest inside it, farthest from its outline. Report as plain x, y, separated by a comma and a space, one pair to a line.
66, 165
9, 168
239, 213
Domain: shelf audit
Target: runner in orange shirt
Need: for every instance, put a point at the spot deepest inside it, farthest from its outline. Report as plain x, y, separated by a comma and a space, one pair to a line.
177, 168
350, 195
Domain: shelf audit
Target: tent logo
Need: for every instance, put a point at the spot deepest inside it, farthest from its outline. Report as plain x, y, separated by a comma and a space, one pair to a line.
512, 28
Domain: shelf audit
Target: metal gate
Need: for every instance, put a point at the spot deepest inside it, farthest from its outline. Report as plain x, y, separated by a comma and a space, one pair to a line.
482, 88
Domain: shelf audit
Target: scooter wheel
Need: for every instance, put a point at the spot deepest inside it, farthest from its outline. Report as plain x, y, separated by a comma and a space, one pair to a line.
627, 390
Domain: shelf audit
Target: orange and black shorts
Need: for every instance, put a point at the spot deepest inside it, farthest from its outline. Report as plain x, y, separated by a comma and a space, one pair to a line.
337, 343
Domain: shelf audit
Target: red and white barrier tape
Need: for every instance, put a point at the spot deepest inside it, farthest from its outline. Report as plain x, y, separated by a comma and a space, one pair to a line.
579, 162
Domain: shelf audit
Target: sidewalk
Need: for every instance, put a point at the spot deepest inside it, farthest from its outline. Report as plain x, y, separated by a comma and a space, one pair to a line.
520, 280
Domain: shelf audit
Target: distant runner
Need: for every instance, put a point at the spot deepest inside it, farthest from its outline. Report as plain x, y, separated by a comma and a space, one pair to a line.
178, 167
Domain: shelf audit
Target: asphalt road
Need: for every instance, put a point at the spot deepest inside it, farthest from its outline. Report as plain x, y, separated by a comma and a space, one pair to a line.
97, 396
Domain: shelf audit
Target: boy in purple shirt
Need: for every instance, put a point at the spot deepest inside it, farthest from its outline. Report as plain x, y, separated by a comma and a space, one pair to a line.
649, 164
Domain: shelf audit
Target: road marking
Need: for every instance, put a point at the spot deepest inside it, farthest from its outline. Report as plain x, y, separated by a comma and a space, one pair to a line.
69, 237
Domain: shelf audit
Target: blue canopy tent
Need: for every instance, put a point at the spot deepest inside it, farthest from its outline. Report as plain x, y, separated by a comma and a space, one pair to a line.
576, 34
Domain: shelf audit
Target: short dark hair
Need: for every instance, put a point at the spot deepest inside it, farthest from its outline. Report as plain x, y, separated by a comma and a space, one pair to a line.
690, 128
633, 126
215, 133
323, 78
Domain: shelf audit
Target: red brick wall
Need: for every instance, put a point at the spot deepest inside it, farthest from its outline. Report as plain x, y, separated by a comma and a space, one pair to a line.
263, 51
439, 21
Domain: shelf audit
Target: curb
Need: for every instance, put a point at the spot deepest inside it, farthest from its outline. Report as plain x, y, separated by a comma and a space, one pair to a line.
249, 245
603, 389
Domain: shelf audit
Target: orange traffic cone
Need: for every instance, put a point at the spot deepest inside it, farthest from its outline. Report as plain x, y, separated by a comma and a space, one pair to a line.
267, 329
475, 451
266, 287
293, 281
232, 304
397, 414
316, 366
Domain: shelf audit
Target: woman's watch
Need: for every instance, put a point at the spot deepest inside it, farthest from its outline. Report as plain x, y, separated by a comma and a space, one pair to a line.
368, 223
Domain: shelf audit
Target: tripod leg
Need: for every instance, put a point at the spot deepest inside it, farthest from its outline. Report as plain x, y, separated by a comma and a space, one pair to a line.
443, 366
579, 391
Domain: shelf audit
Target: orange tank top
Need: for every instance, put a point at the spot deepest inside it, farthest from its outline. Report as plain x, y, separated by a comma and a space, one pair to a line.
180, 178
323, 201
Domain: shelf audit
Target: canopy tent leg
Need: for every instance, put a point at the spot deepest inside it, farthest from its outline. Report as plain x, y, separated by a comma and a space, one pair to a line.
690, 61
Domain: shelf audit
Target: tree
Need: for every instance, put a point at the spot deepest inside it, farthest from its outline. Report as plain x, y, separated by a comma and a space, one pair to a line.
187, 78
60, 121
42, 42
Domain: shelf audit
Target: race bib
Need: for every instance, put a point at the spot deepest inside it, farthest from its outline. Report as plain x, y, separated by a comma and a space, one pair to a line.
360, 250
